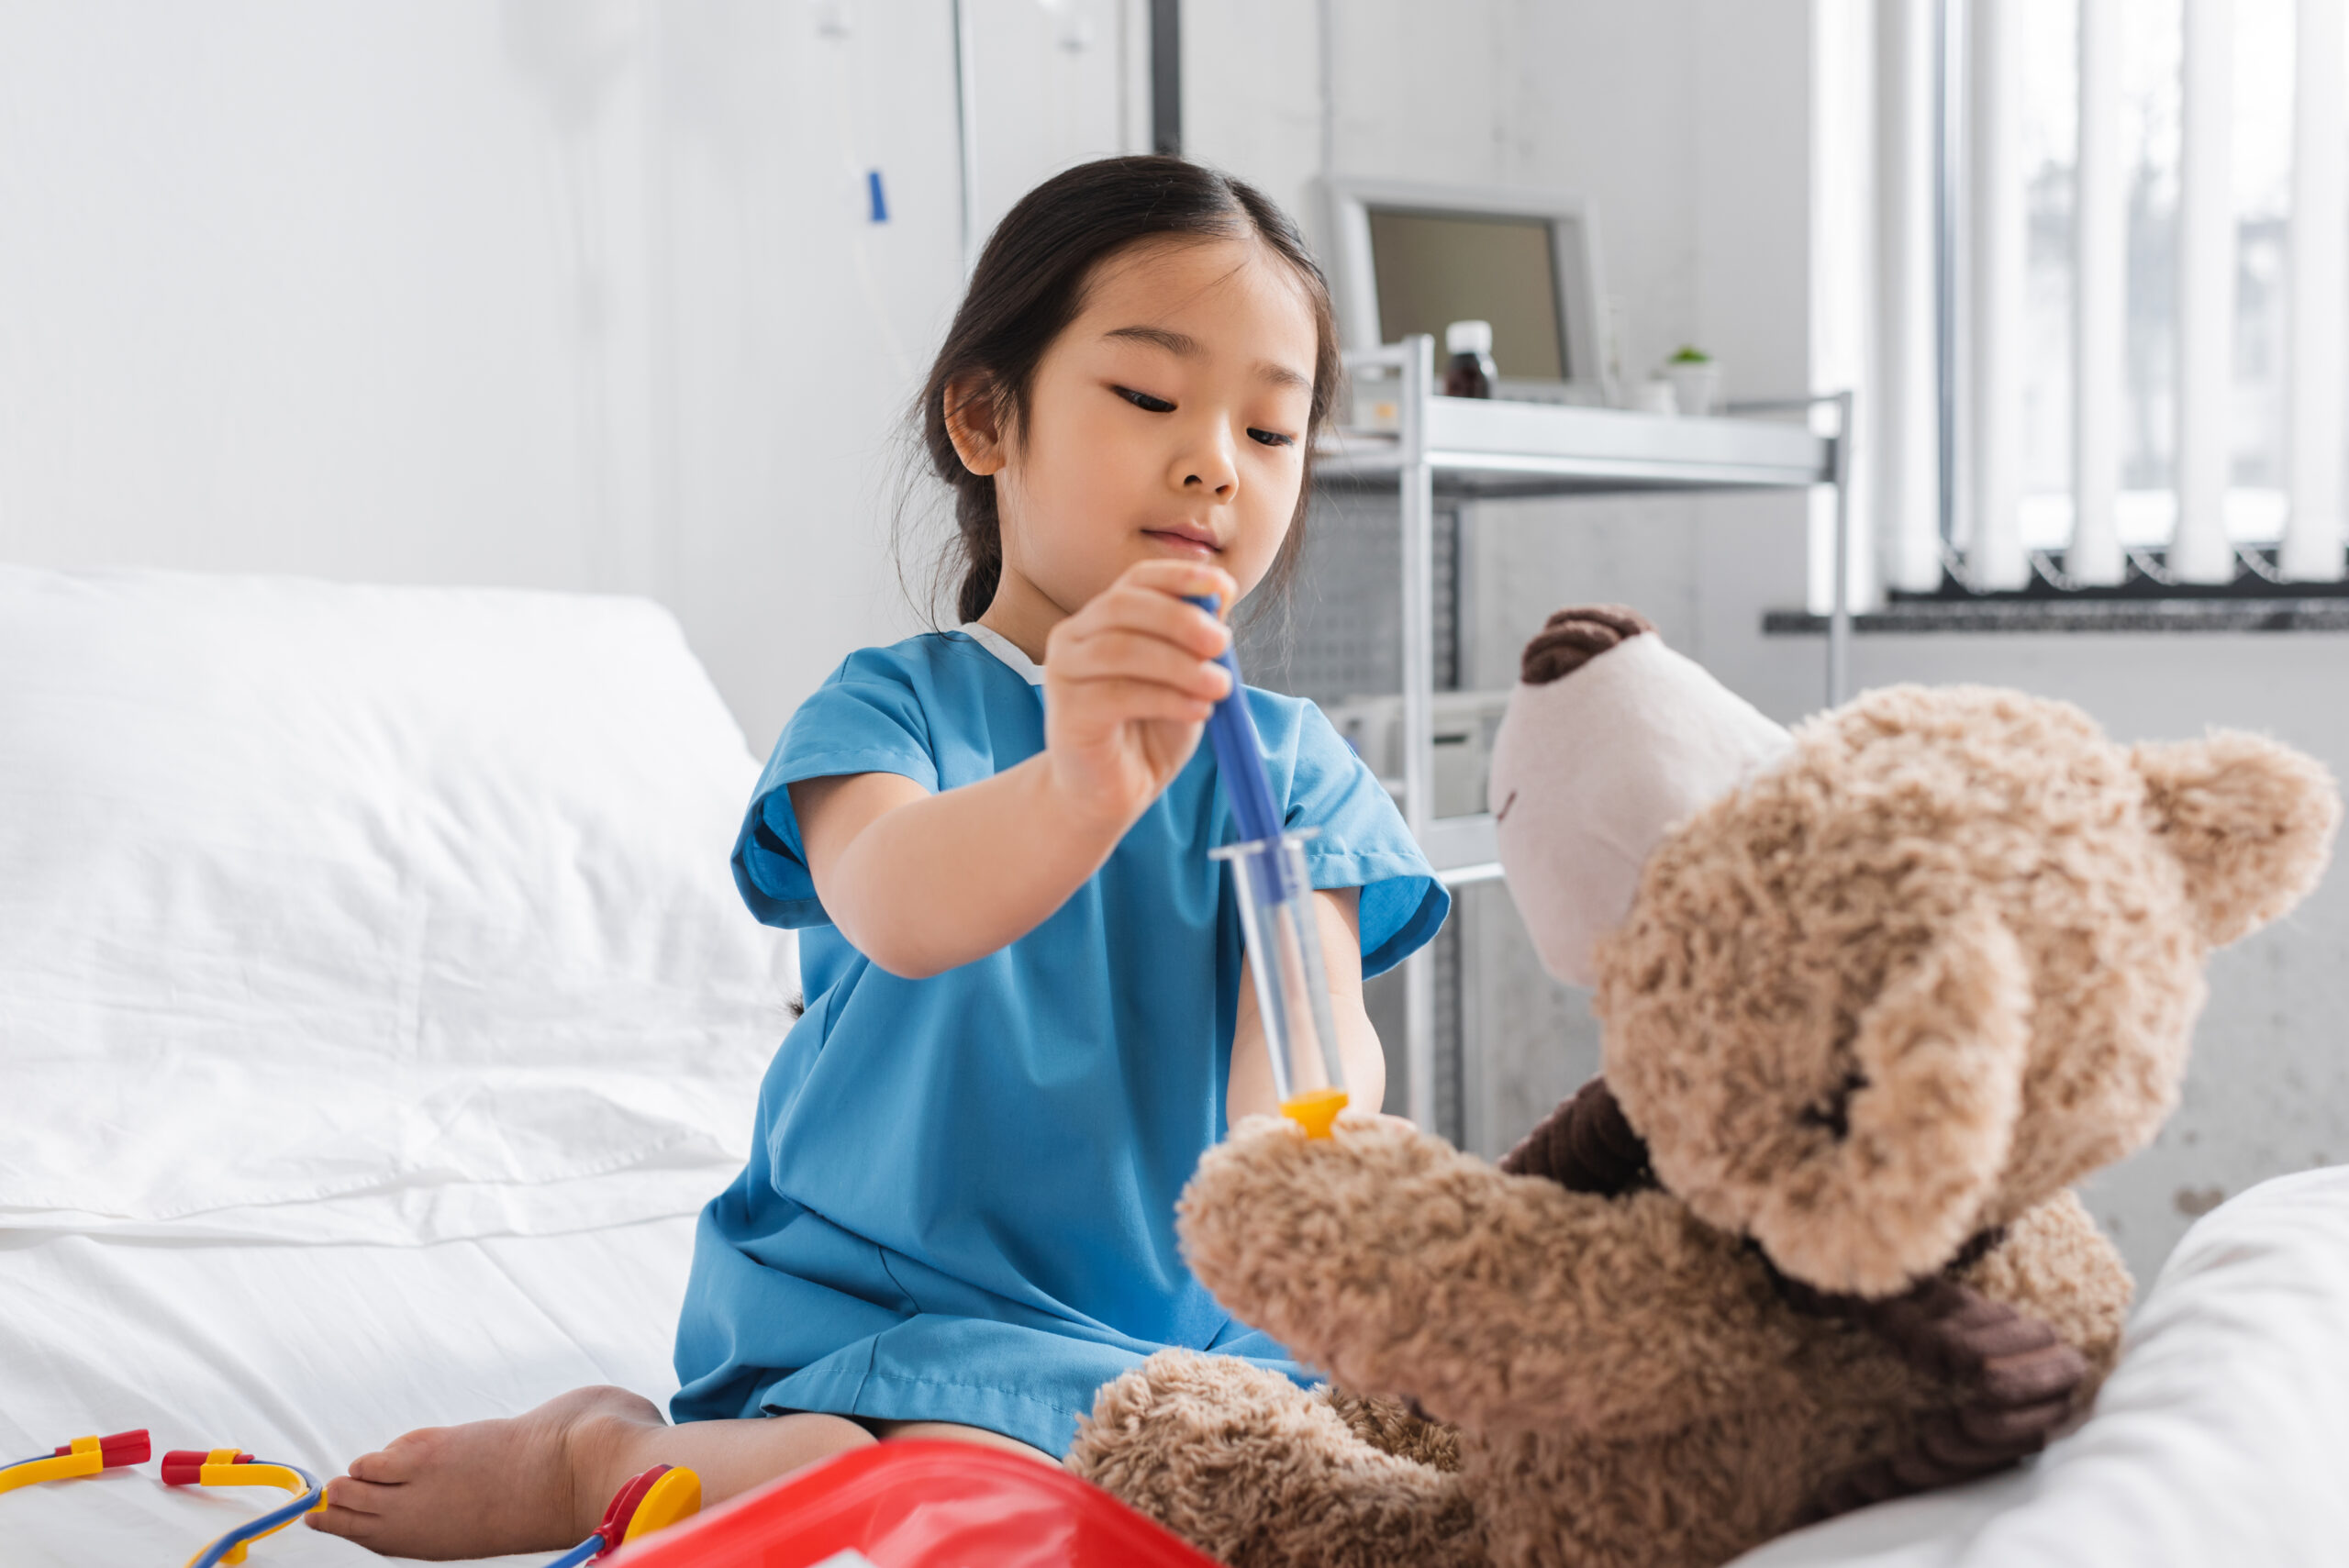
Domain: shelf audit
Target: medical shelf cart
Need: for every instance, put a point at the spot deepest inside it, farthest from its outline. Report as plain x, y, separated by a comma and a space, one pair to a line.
1458, 450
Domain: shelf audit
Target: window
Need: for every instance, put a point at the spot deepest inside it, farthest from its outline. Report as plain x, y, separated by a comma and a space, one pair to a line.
2114, 233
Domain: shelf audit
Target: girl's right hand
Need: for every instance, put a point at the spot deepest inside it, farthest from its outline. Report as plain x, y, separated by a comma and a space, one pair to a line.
1129, 683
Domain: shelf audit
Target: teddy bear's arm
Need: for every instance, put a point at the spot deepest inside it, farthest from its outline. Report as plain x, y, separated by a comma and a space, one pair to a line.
1503, 1303
2054, 1264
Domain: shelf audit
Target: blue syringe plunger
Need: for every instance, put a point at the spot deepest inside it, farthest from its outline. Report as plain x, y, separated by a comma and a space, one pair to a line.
1239, 755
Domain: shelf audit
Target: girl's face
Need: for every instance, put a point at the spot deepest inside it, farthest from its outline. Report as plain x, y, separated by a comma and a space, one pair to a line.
1168, 419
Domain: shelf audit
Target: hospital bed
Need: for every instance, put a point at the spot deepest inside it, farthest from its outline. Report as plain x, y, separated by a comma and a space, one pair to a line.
376, 1012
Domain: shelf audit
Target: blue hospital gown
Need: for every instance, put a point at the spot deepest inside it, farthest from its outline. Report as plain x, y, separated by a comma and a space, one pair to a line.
960, 1201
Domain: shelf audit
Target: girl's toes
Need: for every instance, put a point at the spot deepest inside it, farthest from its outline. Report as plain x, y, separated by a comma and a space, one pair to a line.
400, 1459
348, 1523
352, 1496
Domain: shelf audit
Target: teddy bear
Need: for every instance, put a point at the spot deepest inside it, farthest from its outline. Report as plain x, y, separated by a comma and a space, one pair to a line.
1873, 994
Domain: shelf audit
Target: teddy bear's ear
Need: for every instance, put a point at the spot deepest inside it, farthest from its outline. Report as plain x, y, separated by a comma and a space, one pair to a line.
2252, 823
1576, 636
1887, 1178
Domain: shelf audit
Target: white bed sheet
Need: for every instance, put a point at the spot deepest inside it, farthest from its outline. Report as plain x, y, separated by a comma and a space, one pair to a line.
2222, 1437
311, 1354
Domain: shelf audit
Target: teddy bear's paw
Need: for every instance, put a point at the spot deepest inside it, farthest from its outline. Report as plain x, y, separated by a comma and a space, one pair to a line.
1272, 1217
1241, 1463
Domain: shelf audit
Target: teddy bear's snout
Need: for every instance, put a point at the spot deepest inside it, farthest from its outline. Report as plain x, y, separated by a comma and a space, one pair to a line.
1589, 773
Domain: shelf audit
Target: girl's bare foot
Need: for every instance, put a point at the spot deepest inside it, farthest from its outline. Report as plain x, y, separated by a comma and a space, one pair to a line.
540, 1481
487, 1488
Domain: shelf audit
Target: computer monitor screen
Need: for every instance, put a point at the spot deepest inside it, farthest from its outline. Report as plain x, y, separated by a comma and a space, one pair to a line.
1435, 268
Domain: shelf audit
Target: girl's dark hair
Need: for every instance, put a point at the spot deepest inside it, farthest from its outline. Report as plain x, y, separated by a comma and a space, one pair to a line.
1029, 284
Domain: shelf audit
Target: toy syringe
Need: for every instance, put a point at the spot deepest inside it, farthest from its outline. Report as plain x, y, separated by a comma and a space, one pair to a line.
1277, 919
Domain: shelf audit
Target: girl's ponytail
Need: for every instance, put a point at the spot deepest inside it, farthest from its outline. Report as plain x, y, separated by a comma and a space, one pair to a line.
981, 538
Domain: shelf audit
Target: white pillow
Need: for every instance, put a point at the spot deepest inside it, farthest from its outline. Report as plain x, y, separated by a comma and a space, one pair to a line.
366, 913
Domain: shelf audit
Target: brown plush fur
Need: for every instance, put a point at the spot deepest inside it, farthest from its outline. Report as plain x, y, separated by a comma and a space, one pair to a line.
2013, 1380
1627, 1386
1953, 925
1896, 993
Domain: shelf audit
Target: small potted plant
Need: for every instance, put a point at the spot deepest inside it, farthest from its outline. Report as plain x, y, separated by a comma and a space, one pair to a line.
1696, 381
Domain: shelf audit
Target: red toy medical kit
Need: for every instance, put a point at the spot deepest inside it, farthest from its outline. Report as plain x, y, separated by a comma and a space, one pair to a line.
920, 1504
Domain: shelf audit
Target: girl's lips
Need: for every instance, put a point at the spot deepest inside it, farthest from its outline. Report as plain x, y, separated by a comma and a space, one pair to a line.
1185, 542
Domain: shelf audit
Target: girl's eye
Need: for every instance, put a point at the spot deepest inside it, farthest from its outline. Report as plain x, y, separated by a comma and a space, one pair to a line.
1272, 438
1145, 401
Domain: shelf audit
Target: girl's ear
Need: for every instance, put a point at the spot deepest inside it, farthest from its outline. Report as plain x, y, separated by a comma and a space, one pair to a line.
974, 425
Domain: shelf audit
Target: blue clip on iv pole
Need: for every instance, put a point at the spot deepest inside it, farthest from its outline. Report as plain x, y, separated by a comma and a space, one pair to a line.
1276, 918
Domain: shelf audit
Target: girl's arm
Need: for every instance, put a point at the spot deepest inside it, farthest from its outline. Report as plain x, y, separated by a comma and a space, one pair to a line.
1251, 1090
921, 883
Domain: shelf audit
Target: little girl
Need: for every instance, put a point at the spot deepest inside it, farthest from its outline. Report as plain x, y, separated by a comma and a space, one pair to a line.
1028, 1013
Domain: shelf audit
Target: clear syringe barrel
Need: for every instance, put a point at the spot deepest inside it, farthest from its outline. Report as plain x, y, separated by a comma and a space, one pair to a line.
1283, 941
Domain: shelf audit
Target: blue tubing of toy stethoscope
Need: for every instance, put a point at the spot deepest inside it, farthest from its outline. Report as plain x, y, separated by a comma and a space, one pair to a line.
584, 1551
255, 1529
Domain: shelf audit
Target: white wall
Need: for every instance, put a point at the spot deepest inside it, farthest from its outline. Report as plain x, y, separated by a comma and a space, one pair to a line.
573, 294
579, 293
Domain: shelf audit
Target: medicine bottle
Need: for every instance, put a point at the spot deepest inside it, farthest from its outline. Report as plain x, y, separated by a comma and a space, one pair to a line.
1471, 372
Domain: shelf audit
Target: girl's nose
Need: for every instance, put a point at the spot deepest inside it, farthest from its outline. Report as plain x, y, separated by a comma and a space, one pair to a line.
1207, 464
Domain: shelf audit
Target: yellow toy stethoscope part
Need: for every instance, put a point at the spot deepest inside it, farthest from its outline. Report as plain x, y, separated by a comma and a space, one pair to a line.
676, 1496
77, 1460
82, 1456
653, 1499
229, 1467
184, 1467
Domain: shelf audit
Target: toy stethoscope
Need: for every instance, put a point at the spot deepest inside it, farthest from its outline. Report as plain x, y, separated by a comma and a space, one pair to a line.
654, 1500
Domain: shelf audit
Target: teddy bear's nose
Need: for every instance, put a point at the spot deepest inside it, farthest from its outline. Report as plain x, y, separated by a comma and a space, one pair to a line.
1576, 636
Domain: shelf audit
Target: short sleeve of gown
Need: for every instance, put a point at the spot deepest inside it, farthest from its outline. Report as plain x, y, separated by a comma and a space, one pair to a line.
1363, 843
865, 719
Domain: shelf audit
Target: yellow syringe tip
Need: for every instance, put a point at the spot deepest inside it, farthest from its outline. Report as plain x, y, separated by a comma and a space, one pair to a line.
1315, 1110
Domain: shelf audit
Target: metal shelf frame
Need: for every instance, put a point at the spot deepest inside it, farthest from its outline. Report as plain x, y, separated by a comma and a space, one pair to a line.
1464, 449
